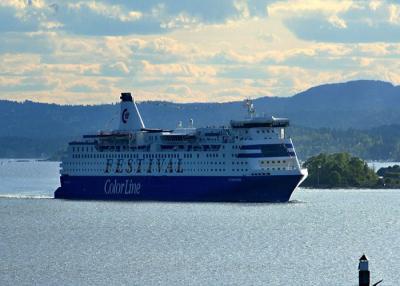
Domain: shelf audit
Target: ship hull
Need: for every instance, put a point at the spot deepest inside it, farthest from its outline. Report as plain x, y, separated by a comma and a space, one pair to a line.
179, 188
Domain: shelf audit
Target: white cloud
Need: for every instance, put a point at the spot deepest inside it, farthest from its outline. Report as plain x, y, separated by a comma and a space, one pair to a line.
300, 7
242, 7
192, 51
394, 14
375, 4
337, 22
111, 11
184, 70
20, 4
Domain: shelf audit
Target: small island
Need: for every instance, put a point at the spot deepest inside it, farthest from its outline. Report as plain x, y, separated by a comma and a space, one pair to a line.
390, 176
341, 170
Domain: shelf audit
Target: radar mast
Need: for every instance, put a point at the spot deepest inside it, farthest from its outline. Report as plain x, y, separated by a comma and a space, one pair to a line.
251, 110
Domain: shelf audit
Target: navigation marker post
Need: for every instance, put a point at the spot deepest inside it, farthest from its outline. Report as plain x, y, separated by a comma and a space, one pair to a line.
363, 272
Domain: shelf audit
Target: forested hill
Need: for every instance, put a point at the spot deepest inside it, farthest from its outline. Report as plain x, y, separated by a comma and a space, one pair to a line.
357, 105
353, 105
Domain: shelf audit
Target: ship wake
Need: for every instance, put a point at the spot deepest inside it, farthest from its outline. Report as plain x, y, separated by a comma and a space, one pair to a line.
24, 196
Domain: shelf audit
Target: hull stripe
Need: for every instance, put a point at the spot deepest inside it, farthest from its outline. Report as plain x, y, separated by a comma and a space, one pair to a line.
182, 188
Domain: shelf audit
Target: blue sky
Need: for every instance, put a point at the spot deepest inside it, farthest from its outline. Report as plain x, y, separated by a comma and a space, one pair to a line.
87, 52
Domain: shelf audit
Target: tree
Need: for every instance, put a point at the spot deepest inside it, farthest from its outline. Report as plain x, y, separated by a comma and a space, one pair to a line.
339, 170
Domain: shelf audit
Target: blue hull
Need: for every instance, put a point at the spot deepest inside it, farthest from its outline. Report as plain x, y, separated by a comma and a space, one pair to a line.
179, 188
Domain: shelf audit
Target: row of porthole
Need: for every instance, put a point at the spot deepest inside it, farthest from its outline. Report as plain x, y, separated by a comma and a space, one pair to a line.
136, 156
240, 163
272, 162
188, 170
82, 149
199, 163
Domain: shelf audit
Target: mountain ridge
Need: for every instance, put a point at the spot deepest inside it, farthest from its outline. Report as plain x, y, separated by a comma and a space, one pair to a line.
371, 104
358, 105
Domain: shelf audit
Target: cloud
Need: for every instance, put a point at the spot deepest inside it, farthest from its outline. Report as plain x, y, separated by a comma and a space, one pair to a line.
81, 88
117, 69
30, 84
183, 70
343, 21
90, 18
316, 29
122, 17
14, 42
179, 90
10, 21
88, 51
19, 64
394, 14
221, 10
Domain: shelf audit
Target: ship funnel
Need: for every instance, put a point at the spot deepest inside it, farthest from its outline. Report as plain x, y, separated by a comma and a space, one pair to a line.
130, 118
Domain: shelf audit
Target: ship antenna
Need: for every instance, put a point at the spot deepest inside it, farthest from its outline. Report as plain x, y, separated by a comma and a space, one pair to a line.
250, 107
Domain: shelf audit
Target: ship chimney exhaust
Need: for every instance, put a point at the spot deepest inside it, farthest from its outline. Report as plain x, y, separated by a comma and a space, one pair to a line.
130, 119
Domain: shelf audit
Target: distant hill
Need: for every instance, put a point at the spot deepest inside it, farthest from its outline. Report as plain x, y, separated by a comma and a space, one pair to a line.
357, 105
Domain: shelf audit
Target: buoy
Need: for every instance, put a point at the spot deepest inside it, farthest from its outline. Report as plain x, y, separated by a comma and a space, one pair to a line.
363, 272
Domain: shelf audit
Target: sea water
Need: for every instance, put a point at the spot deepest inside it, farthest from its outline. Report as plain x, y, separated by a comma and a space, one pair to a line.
316, 239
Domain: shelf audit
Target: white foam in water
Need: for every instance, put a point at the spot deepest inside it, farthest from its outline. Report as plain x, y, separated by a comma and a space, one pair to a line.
22, 196
28, 179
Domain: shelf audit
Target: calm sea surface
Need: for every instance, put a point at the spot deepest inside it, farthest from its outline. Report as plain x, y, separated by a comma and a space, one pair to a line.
316, 239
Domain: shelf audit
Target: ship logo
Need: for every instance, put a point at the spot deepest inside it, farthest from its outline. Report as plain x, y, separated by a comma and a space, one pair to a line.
125, 115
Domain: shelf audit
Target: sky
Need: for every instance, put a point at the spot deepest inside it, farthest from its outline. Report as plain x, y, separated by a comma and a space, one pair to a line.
87, 52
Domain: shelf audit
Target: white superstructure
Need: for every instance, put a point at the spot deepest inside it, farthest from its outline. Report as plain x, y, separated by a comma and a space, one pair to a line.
255, 146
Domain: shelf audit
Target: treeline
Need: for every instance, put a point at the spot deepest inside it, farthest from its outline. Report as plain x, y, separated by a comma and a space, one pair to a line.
390, 176
380, 143
340, 170
22, 147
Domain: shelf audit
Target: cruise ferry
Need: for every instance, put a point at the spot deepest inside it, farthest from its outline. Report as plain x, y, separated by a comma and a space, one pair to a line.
250, 160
